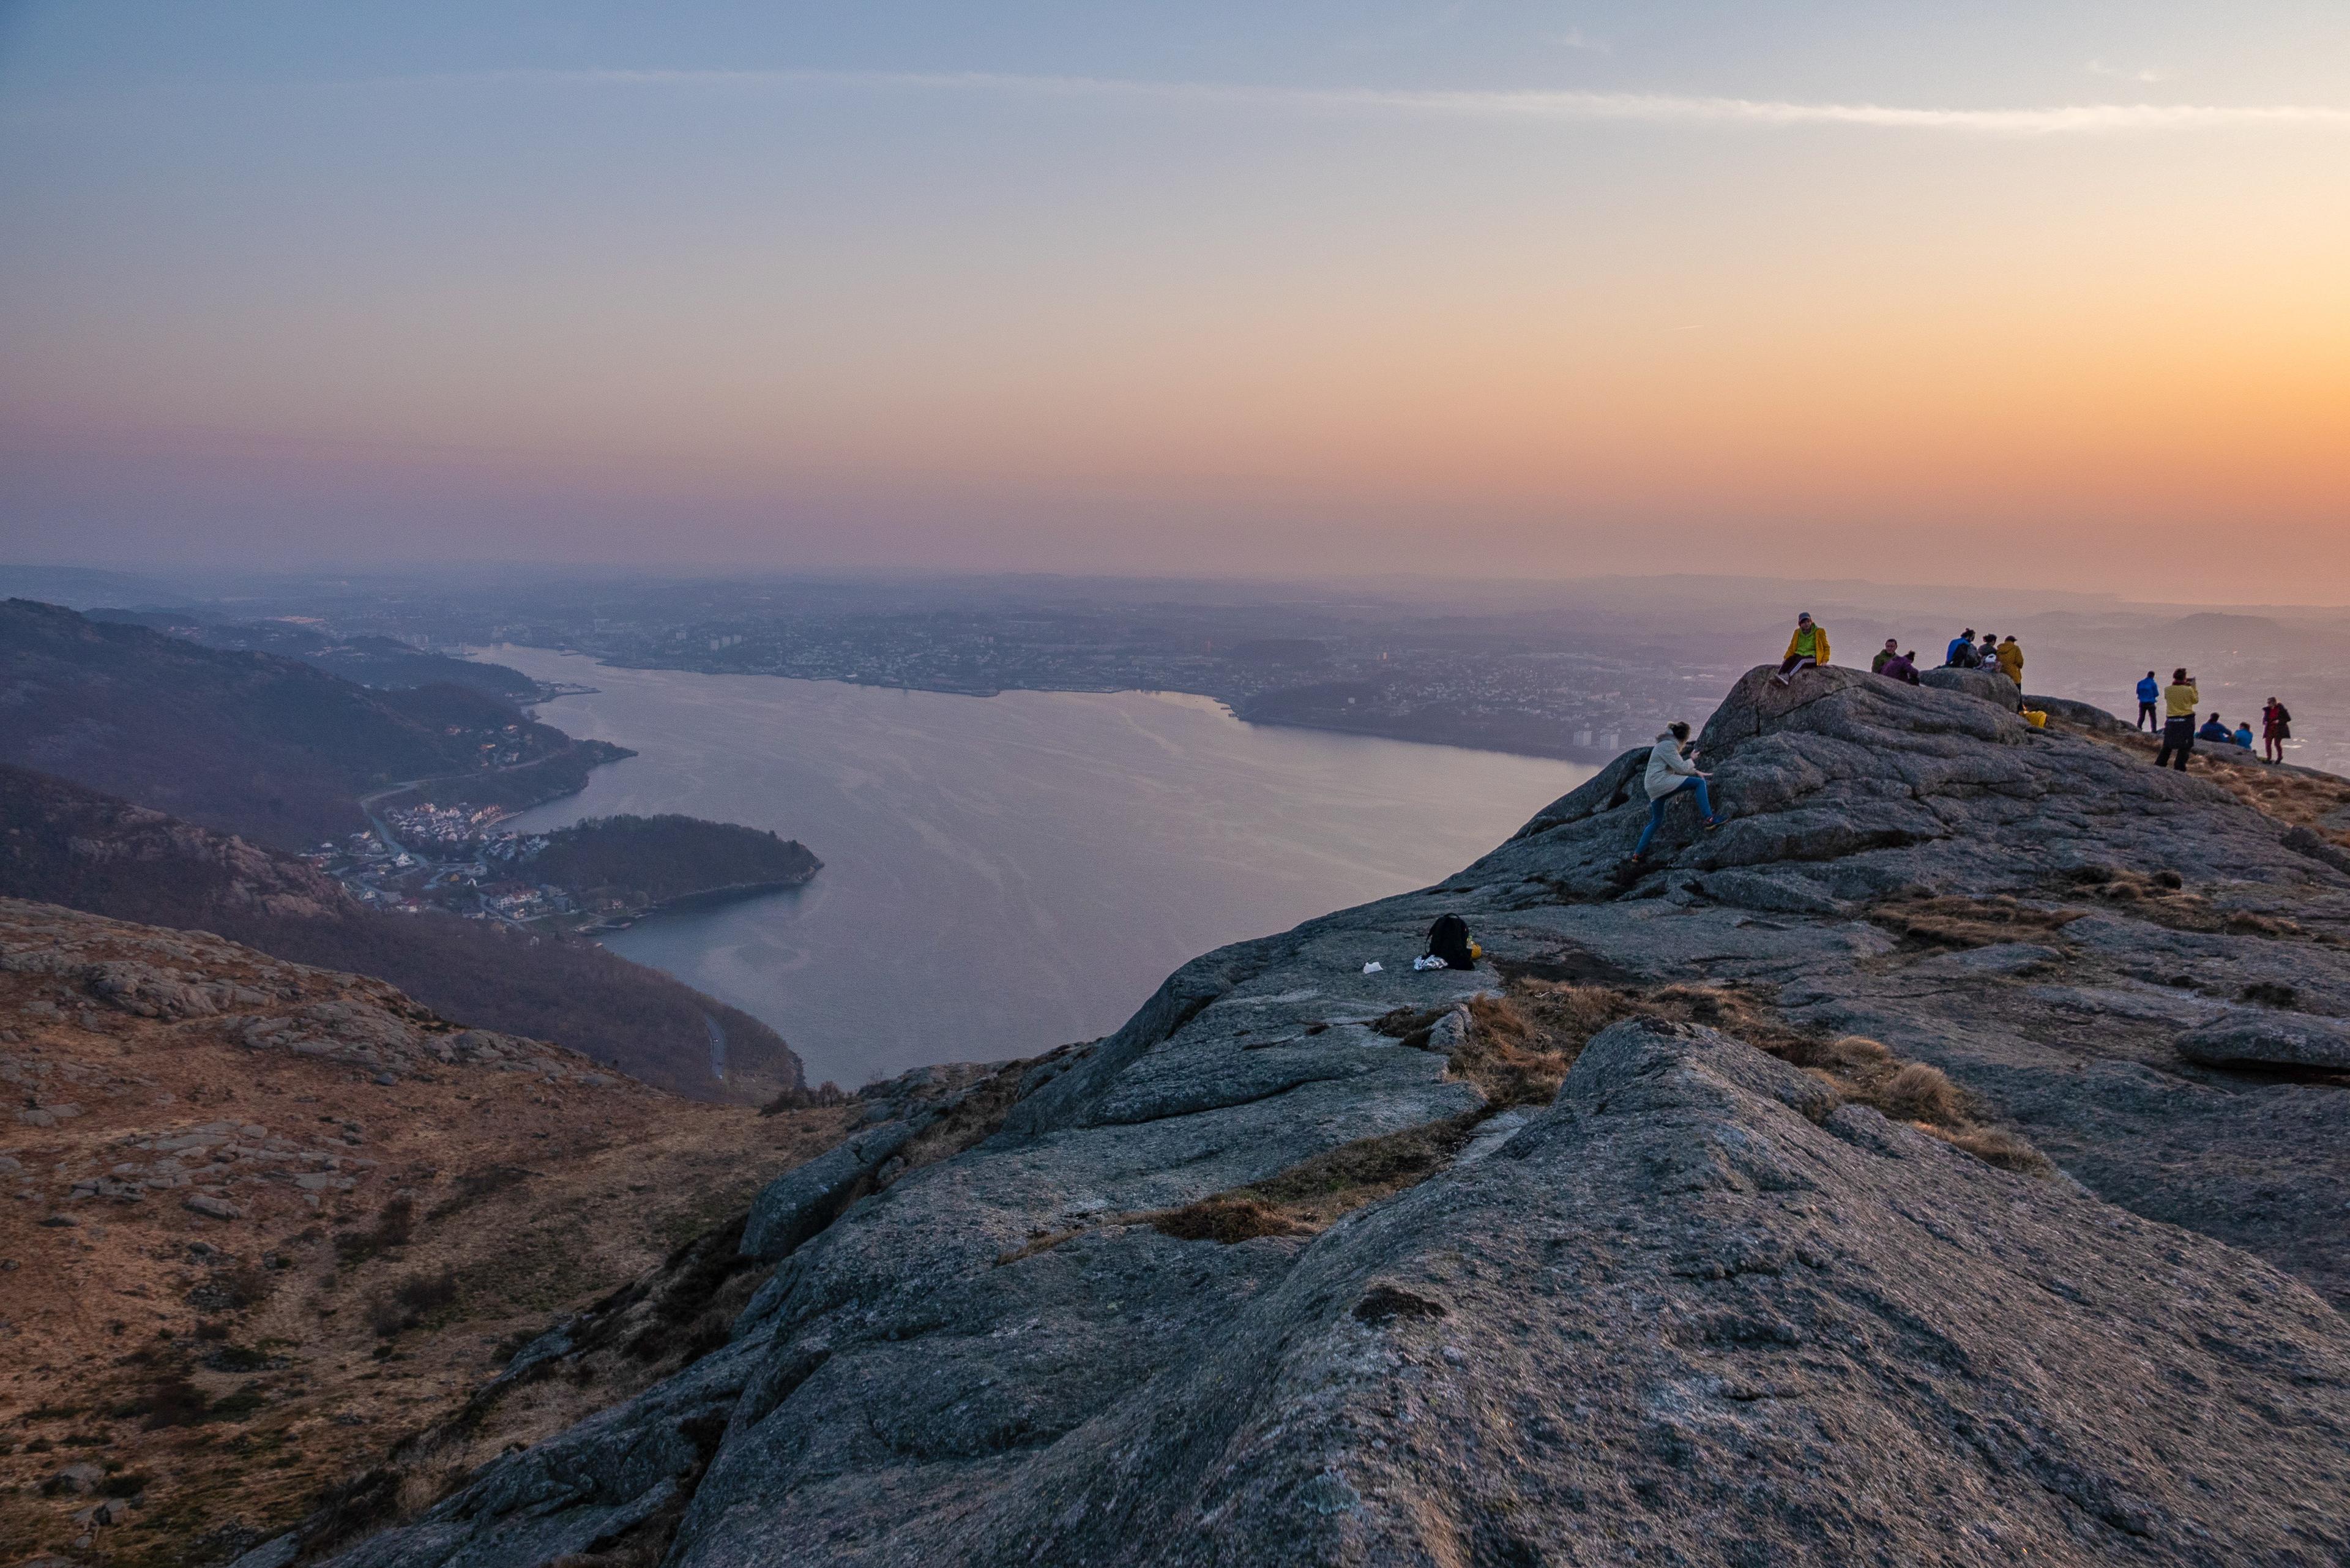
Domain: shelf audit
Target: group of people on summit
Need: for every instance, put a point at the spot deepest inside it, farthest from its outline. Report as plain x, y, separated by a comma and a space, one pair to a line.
2180, 698
1808, 650
1672, 769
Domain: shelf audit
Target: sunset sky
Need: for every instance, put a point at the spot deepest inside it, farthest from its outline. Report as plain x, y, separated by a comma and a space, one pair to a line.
2048, 294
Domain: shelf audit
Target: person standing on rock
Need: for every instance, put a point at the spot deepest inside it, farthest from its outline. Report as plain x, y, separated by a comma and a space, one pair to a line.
2149, 693
2011, 660
2276, 729
2178, 703
1807, 647
1670, 770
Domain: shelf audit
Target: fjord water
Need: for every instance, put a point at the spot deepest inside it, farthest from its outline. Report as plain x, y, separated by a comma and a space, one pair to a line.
1007, 874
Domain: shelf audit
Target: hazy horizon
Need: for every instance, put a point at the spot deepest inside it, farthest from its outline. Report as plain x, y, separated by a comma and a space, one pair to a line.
2041, 295
220, 583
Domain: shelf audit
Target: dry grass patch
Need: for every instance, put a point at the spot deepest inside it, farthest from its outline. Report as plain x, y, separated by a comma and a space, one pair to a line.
1312, 1193
1226, 1219
1865, 1072
1962, 922
2161, 898
1520, 1045
1520, 1048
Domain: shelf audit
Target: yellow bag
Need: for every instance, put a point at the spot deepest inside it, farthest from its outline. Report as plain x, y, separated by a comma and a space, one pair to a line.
2036, 718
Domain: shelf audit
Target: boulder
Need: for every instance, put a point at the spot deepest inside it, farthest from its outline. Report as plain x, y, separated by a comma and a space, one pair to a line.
1989, 685
216, 1208
2269, 1040
73, 1480
804, 1199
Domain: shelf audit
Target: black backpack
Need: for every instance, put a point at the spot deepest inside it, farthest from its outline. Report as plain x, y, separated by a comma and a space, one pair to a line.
1449, 940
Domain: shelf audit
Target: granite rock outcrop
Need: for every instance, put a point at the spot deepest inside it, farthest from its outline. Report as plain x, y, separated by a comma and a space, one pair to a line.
1702, 1304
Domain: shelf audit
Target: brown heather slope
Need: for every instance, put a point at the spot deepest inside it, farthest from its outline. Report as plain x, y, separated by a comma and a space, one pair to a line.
62, 843
258, 1221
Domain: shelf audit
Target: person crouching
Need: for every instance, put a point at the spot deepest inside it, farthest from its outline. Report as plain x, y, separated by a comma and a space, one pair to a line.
1670, 772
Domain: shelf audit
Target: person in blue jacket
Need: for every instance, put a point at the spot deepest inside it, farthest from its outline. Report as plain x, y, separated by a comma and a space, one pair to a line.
2149, 693
2213, 730
1962, 651
2244, 734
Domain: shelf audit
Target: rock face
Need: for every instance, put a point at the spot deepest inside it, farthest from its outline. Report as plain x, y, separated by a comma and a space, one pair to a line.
1990, 685
1695, 1308
2282, 1041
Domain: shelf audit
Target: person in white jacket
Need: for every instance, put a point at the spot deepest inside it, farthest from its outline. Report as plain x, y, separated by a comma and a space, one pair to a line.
1671, 771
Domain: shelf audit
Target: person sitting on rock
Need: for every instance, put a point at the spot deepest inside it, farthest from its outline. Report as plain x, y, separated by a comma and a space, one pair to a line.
2244, 734
1987, 656
2011, 660
1669, 772
1960, 654
1901, 667
2149, 693
2213, 730
1807, 648
1885, 655
2179, 700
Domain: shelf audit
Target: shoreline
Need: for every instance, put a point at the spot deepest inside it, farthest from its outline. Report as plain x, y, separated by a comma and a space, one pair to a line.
1582, 756
703, 898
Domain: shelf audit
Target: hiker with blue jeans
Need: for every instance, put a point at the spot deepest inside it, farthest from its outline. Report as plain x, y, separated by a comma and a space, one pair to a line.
1669, 774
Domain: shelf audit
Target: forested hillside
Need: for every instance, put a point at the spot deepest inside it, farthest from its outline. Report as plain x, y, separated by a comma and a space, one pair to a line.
659, 859
255, 744
378, 662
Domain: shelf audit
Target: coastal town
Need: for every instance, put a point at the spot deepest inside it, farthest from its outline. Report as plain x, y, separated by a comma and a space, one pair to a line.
452, 858
597, 874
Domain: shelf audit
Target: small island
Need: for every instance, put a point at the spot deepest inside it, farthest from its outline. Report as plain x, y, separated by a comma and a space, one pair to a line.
653, 862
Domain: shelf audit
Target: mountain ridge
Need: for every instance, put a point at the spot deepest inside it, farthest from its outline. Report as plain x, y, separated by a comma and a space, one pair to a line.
269, 748
1857, 1179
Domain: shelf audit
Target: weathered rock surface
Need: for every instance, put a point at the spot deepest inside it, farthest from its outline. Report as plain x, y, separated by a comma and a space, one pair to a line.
1694, 1310
2283, 1039
1989, 685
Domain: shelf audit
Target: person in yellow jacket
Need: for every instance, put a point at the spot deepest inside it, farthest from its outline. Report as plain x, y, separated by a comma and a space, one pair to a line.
2011, 661
1809, 646
2179, 703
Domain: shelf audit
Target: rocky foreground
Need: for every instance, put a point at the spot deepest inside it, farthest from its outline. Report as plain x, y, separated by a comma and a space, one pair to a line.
1945, 1161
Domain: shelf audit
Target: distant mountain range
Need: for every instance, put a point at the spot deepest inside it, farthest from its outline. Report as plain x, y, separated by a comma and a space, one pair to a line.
264, 746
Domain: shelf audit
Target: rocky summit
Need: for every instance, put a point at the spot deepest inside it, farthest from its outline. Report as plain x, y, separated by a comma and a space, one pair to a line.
1943, 1160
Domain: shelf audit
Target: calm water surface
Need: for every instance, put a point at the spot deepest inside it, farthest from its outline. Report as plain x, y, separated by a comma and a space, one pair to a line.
1007, 874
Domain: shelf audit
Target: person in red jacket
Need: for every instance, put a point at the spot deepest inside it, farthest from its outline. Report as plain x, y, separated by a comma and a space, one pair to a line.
2276, 729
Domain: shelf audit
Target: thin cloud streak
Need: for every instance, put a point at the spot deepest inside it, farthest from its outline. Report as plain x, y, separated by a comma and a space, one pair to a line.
1527, 107
2147, 74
